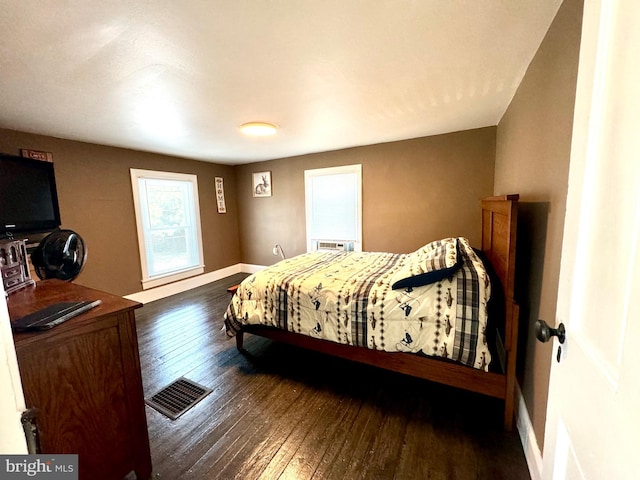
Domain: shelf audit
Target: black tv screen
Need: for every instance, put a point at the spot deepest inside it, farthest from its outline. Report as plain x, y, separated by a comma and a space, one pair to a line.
28, 196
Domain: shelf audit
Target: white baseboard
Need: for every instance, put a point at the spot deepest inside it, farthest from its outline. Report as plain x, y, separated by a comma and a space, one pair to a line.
249, 268
163, 291
532, 452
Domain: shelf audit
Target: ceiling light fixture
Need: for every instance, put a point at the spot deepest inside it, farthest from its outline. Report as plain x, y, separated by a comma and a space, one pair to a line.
258, 129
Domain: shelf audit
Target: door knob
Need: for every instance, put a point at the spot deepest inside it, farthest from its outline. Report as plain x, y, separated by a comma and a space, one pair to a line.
544, 332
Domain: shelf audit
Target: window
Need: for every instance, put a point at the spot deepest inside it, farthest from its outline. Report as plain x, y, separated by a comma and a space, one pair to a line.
333, 198
168, 221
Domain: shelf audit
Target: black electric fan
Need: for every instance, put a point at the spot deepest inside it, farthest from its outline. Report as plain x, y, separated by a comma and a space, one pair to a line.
61, 254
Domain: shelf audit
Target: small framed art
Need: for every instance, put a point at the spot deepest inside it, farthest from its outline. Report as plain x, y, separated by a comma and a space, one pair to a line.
222, 207
36, 155
262, 184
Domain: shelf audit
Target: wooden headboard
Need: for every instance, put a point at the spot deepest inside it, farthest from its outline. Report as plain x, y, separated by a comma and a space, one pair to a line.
499, 221
499, 224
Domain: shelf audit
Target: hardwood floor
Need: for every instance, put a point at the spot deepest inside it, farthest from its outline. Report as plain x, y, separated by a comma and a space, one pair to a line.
284, 413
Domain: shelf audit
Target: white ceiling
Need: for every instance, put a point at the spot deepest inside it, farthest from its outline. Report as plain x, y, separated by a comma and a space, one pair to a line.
180, 77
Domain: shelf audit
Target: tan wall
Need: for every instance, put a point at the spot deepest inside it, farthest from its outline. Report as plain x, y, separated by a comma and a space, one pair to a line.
94, 189
532, 158
414, 191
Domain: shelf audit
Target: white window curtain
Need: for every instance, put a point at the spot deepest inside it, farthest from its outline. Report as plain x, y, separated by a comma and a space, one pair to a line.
333, 198
168, 220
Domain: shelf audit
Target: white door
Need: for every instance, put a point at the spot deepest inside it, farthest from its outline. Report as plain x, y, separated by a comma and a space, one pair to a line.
593, 416
12, 439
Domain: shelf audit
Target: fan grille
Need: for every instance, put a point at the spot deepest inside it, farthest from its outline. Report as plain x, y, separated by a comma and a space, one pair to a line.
61, 254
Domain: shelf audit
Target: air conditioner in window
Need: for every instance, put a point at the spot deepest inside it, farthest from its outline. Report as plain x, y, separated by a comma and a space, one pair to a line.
333, 245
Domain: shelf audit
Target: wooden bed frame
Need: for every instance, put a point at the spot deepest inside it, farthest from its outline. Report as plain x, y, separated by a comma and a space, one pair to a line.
499, 218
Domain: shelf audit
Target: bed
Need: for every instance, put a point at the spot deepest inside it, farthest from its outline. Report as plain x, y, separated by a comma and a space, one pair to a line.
444, 313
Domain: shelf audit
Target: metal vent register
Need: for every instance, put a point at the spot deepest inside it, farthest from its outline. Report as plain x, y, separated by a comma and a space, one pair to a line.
178, 397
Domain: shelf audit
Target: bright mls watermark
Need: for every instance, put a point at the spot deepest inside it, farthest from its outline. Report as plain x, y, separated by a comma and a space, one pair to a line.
50, 467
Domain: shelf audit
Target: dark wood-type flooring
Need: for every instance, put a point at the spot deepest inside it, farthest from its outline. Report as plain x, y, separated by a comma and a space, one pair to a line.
284, 413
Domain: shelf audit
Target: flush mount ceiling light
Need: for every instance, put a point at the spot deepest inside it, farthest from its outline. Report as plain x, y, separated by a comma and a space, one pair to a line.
258, 129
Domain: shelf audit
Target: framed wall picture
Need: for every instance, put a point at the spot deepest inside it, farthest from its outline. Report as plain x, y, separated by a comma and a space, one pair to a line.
36, 155
262, 184
222, 207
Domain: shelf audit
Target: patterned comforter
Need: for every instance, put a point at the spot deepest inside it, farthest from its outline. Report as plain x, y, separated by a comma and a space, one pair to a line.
348, 297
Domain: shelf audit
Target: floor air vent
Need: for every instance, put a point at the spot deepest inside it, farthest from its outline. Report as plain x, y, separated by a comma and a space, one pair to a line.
178, 397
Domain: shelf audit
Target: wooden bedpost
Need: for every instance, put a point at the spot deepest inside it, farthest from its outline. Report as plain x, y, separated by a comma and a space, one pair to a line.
240, 340
499, 228
509, 400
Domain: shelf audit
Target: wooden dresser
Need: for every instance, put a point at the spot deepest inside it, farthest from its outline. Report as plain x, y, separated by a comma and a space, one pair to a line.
83, 379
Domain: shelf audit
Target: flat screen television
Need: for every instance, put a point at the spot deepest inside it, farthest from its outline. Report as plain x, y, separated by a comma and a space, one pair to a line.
28, 196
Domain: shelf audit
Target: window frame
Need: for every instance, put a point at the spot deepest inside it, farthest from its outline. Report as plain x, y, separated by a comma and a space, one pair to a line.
151, 281
341, 170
